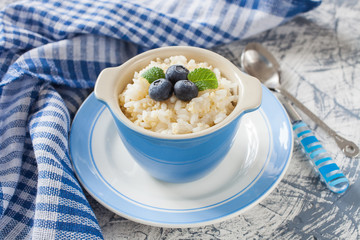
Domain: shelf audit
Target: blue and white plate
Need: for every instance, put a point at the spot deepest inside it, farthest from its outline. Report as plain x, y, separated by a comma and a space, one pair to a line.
254, 166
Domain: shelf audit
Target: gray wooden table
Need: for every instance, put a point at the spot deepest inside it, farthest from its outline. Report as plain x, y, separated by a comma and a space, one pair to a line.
320, 57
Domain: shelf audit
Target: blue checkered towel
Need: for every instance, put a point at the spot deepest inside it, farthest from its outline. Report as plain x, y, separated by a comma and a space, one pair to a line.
51, 52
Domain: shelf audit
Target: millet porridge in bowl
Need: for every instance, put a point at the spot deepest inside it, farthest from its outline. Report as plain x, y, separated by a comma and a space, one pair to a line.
177, 109
208, 107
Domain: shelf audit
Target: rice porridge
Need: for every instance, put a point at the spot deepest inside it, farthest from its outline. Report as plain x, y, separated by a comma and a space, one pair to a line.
174, 116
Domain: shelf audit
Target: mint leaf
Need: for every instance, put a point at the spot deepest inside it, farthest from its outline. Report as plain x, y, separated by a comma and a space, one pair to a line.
153, 74
203, 78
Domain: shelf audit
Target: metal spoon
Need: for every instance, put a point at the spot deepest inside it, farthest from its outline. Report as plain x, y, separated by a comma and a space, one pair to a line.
260, 63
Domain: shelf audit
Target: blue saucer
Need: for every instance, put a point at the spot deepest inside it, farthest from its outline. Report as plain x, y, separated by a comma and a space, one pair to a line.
254, 166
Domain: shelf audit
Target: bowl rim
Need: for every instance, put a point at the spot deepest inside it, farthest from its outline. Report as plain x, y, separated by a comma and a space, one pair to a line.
237, 112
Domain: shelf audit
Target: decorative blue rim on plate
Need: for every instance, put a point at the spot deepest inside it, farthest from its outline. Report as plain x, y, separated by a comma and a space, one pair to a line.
274, 166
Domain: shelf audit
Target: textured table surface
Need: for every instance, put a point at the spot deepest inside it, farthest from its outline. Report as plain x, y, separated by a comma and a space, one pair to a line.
319, 53
320, 57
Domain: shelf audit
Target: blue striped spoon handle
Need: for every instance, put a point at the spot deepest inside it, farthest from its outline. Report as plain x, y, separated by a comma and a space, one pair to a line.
324, 165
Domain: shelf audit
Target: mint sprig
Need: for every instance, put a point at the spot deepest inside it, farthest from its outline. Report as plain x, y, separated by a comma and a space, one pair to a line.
203, 78
153, 74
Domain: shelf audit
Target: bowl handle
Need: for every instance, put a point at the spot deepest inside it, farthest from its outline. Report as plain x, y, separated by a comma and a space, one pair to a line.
252, 93
105, 84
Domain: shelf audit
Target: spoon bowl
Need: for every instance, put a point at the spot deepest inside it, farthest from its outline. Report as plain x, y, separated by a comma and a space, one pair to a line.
260, 63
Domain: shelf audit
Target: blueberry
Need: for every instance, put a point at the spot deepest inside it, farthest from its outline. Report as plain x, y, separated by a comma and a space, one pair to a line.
175, 73
161, 89
185, 90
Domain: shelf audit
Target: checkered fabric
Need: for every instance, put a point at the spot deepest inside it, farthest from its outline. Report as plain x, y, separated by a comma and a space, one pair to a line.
51, 52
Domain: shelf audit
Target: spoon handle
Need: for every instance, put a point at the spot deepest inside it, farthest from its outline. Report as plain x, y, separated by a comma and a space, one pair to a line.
349, 148
322, 162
